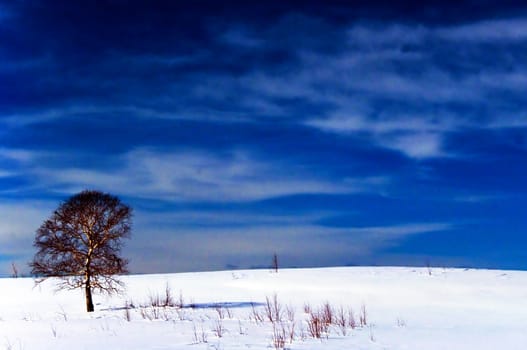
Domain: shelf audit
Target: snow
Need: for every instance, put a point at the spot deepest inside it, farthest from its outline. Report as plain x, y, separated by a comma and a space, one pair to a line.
407, 308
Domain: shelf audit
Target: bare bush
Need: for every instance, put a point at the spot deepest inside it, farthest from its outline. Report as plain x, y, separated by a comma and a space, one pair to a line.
168, 300
53, 330
63, 314
150, 313
241, 330
181, 301
181, 314
401, 322
290, 313
327, 317
290, 331
316, 327
156, 313
14, 270
351, 319
326, 314
363, 316
307, 308
273, 309
341, 320
256, 315
199, 336
218, 328
154, 300
221, 311
279, 336
302, 332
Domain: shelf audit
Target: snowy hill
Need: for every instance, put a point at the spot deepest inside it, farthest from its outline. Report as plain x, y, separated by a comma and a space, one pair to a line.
368, 307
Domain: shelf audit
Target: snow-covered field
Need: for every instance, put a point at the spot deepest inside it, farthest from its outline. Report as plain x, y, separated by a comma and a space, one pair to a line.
406, 308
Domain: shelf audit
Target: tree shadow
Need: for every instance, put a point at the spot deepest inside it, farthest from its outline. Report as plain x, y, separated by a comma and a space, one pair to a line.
226, 305
216, 305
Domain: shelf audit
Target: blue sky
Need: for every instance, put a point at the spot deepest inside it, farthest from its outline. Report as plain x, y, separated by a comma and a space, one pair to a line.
332, 133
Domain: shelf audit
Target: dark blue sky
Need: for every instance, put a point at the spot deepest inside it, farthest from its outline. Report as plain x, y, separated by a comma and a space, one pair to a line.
332, 133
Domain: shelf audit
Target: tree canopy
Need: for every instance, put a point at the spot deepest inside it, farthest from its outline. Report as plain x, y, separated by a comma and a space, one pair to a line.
81, 244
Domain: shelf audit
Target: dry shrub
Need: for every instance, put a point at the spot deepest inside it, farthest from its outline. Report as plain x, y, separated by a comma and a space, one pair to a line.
199, 336
218, 328
256, 315
279, 336
273, 309
351, 319
168, 300
363, 316
307, 308
327, 314
341, 320
221, 311
290, 313
316, 327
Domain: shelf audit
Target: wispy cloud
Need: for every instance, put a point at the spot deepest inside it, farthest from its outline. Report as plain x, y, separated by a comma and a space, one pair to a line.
397, 231
510, 29
369, 86
5, 173
417, 137
19, 155
193, 176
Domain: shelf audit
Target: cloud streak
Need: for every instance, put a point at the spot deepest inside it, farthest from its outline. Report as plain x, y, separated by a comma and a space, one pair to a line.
190, 176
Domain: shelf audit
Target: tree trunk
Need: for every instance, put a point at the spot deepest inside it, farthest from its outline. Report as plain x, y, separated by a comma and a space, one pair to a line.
87, 281
89, 301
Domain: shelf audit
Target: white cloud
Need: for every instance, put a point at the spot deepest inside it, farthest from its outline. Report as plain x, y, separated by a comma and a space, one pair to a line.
375, 35
202, 176
193, 176
488, 30
366, 68
24, 119
510, 121
221, 218
6, 173
416, 145
398, 231
416, 137
19, 155
481, 198
371, 35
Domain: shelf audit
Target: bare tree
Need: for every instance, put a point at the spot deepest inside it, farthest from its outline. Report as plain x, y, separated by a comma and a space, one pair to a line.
14, 270
81, 243
274, 263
